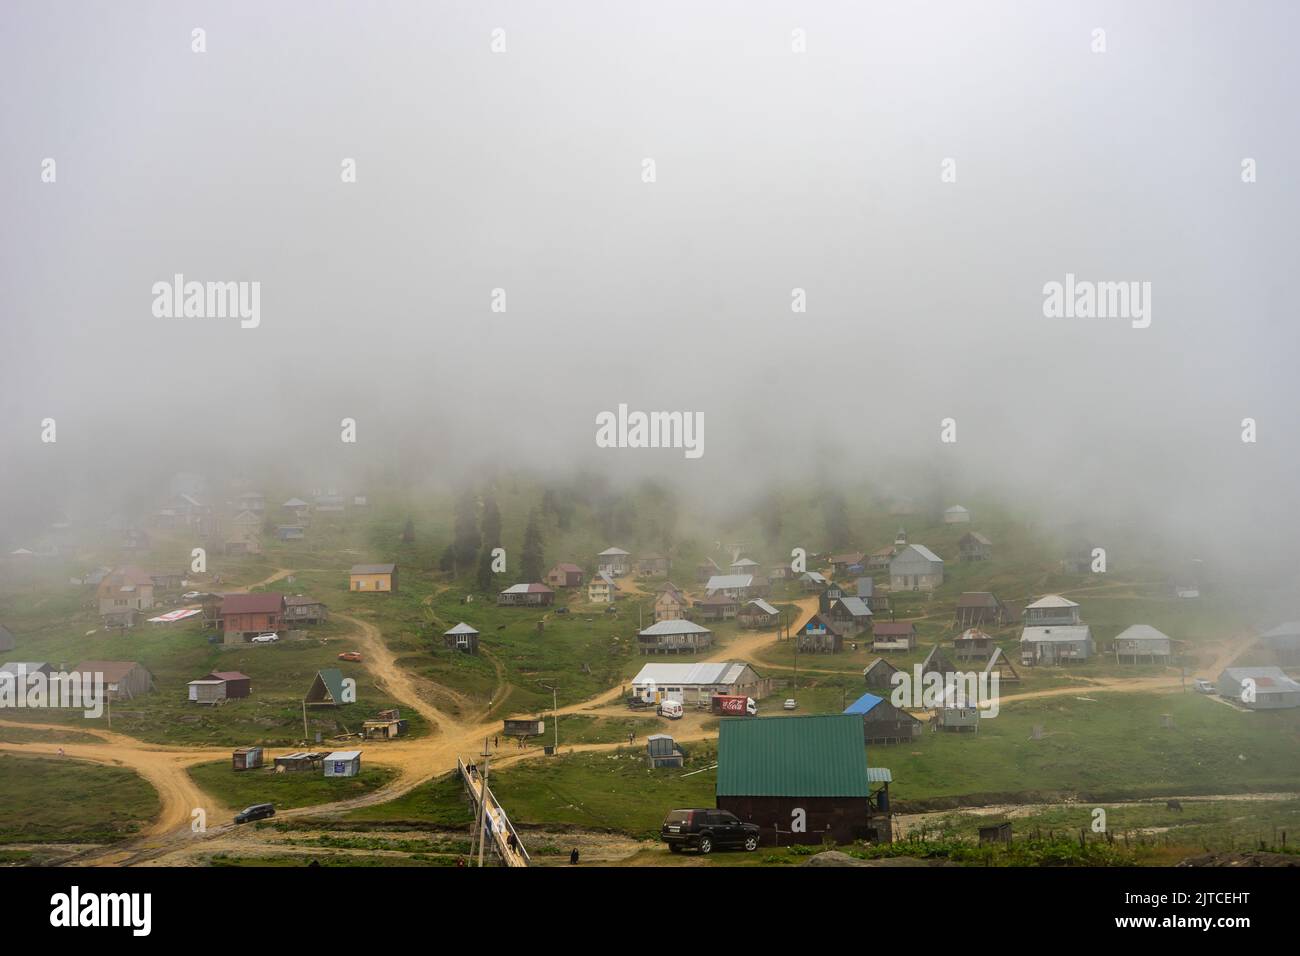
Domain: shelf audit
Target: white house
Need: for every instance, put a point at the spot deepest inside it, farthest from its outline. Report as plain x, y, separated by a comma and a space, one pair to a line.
915, 568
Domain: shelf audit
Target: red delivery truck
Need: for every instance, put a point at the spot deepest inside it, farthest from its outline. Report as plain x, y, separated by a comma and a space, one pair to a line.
733, 706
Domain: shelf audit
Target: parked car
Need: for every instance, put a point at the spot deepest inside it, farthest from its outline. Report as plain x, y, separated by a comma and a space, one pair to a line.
258, 811
265, 639
350, 656
790, 703
704, 830
561, 610
1204, 686
192, 595
672, 709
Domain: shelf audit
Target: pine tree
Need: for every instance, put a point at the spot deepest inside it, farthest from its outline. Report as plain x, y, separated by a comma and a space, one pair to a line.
466, 538
491, 526
532, 560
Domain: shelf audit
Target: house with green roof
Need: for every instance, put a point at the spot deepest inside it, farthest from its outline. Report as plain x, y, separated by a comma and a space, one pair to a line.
328, 690
800, 779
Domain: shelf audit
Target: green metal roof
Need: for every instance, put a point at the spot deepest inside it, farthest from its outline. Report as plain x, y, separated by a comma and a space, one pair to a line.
332, 679
814, 756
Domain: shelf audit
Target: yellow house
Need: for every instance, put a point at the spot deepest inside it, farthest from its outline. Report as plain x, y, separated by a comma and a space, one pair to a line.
602, 589
373, 577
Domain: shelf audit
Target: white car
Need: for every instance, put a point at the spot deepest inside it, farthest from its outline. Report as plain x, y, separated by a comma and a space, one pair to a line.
790, 703
265, 639
1204, 686
191, 595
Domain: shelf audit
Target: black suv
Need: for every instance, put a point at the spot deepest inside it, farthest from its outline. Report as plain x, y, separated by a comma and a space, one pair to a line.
258, 811
706, 829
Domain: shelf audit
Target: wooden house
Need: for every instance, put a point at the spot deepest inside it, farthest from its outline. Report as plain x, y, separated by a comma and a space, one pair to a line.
1051, 609
614, 561
852, 613
879, 675
915, 568
290, 532
980, 609
893, 636
973, 644
298, 508
974, 546
244, 616
1143, 644
937, 662
882, 722
776, 771
758, 613
821, 635
462, 637
526, 595
125, 589
123, 680
564, 575
653, 566
372, 578
956, 515
671, 603
737, 586
603, 589
299, 609
678, 636
811, 582
717, 607
879, 559
1000, 665
1056, 644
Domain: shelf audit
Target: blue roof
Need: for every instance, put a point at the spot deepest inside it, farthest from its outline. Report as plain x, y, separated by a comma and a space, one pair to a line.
863, 704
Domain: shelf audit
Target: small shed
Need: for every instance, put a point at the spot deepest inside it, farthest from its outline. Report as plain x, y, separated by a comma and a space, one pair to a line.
523, 726
237, 685
893, 636
207, 691
662, 751
879, 674
246, 758
299, 761
343, 763
758, 613
974, 546
996, 833
462, 637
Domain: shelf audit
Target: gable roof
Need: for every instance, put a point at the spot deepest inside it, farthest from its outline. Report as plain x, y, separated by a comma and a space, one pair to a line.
719, 581
1142, 632
533, 588
566, 568
819, 755
226, 675
330, 680
978, 599
920, 549
704, 672
977, 537
864, 704
461, 628
893, 628
855, 606
763, 606
113, 671
879, 662
1051, 600
677, 626
937, 661
373, 569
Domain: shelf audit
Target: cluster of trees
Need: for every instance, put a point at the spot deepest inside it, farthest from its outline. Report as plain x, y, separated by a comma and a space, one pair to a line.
476, 536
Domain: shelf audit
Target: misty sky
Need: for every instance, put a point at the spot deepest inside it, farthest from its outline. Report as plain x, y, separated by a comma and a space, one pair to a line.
523, 170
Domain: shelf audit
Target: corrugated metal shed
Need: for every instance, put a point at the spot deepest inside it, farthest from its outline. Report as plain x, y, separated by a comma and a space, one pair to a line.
812, 756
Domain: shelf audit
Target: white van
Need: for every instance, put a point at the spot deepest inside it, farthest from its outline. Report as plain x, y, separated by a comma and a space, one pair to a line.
672, 709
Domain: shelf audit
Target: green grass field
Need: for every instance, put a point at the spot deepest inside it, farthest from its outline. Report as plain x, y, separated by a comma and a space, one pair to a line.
63, 800
286, 790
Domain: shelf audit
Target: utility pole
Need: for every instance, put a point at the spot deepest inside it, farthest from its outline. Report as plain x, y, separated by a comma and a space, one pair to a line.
555, 715
482, 800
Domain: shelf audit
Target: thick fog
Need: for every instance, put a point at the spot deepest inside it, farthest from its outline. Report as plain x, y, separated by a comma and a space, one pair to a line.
920, 171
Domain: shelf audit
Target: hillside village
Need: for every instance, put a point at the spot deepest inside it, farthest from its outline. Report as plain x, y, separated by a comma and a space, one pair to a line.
854, 688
